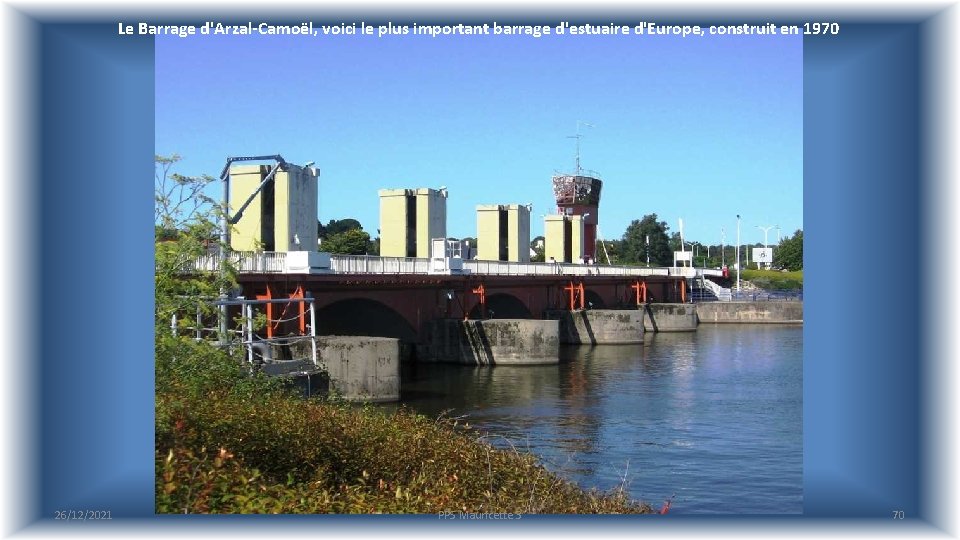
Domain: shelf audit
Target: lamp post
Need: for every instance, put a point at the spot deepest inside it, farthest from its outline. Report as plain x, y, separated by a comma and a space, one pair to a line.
738, 253
723, 238
765, 231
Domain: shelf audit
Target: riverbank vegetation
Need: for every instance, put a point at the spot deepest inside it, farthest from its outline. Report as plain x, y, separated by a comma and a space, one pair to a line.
230, 442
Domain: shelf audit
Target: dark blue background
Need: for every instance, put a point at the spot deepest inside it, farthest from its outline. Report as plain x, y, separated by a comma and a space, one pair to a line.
863, 180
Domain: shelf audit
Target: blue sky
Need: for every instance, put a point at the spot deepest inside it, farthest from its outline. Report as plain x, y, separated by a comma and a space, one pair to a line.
694, 128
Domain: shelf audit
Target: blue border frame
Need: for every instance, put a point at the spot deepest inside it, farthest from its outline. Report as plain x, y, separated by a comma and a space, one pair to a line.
863, 178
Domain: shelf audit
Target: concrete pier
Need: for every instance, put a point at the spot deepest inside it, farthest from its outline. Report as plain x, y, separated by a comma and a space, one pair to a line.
362, 368
751, 312
492, 342
599, 326
670, 317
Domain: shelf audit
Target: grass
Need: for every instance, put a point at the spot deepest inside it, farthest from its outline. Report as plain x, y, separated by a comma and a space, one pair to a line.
773, 279
227, 442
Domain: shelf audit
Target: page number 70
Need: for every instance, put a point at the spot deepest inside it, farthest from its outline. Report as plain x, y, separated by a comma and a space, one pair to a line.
898, 514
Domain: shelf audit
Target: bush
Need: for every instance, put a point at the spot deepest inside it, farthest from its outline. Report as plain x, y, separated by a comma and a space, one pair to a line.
230, 443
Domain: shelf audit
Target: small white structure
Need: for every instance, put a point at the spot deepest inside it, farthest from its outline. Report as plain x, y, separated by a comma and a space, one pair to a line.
306, 262
446, 256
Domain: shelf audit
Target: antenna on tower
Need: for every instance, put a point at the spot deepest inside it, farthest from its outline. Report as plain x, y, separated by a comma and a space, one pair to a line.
577, 168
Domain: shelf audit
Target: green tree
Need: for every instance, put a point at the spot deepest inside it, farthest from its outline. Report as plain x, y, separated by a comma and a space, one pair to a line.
178, 200
337, 226
614, 248
537, 245
186, 228
350, 242
634, 243
789, 253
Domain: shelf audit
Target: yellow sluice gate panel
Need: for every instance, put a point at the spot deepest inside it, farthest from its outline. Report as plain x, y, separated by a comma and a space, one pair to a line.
244, 180
576, 239
553, 238
281, 213
393, 222
488, 231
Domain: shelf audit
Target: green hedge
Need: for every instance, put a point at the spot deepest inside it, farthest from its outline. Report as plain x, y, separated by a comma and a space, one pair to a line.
772, 279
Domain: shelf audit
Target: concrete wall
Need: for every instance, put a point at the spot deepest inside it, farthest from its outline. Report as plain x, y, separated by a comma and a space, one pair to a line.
491, 342
750, 312
599, 326
518, 225
670, 317
296, 209
362, 368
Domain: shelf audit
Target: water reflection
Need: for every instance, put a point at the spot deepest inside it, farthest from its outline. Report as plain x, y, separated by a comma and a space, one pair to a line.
713, 416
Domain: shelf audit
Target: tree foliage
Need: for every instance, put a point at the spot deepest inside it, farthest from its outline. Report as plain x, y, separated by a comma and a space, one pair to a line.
179, 200
537, 245
789, 253
634, 244
186, 228
337, 226
350, 242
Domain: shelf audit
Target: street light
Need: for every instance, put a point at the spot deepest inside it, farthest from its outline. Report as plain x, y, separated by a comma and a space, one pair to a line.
765, 231
723, 238
738, 254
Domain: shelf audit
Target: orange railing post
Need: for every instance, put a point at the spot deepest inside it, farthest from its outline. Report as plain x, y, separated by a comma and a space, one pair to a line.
573, 291
481, 292
268, 296
569, 290
640, 288
301, 318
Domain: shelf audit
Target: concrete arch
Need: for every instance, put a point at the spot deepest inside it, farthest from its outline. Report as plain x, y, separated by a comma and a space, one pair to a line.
363, 317
503, 306
592, 297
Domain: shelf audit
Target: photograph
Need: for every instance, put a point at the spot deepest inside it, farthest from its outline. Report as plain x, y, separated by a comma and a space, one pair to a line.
584, 242
429, 270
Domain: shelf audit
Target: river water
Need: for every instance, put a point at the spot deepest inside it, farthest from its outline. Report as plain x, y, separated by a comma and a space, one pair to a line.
712, 418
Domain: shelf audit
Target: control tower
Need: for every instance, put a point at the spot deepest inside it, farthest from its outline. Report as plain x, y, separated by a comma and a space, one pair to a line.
579, 195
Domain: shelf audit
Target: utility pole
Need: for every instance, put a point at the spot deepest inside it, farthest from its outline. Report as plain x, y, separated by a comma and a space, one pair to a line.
738, 253
723, 238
